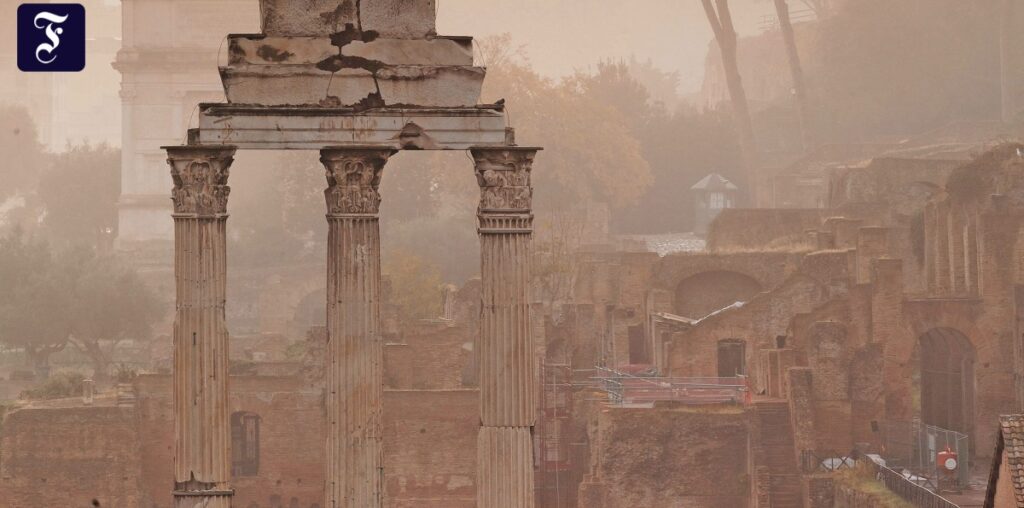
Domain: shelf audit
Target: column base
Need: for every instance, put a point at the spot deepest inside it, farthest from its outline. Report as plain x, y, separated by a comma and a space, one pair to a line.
204, 499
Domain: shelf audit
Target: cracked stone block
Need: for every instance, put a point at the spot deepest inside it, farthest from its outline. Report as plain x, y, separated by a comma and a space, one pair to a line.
269, 50
399, 19
439, 51
306, 85
292, 85
308, 17
431, 86
273, 50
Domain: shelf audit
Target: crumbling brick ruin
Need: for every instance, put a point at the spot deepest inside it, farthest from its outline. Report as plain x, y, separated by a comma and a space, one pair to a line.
878, 303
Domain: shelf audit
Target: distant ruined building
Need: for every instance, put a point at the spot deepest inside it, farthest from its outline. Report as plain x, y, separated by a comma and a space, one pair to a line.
168, 62
876, 311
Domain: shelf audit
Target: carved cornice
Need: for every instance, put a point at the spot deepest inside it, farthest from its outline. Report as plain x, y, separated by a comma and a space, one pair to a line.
353, 179
503, 174
200, 177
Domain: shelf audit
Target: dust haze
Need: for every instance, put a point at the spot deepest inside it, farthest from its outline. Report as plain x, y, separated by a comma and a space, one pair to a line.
522, 253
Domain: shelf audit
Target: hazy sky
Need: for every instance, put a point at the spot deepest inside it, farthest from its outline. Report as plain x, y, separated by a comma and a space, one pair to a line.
560, 35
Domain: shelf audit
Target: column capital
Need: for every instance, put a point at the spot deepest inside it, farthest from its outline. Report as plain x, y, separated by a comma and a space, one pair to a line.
200, 175
503, 174
353, 178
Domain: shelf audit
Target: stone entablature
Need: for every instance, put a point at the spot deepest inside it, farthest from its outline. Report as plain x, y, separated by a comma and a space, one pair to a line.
311, 128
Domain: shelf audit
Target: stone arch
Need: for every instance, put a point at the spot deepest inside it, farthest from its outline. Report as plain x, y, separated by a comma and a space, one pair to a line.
701, 294
946, 379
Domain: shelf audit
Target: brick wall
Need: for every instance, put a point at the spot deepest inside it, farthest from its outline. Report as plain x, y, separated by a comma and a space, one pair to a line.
66, 457
430, 448
668, 457
290, 441
752, 229
435, 357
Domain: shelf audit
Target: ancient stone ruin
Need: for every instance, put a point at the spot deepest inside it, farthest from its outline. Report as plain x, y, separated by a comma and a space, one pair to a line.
357, 80
785, 357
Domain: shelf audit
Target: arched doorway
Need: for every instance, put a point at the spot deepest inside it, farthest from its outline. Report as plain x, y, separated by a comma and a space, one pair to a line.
701, 294
947, 380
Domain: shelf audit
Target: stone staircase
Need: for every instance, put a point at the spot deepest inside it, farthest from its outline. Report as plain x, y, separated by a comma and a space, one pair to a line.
776, 437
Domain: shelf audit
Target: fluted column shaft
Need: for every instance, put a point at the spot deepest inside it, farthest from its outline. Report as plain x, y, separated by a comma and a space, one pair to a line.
507, 365
354, 476
202, 451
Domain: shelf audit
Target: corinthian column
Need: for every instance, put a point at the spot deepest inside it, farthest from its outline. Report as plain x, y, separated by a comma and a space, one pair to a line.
505, 348
202, 458
354, 476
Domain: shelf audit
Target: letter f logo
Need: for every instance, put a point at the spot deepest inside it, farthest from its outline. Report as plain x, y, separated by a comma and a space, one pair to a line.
51, 37
49, 19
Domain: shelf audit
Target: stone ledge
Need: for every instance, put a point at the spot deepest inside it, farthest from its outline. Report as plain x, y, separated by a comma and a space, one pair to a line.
259, 49
308, 85
257, 127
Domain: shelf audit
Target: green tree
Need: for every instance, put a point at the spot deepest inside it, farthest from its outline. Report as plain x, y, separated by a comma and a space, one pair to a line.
34, 300
73, 296
415, 284
711, 144
79, 191
23, 154
111, 305
591, 153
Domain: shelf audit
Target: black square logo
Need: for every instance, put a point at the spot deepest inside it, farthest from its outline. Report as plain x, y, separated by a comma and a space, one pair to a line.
51, 37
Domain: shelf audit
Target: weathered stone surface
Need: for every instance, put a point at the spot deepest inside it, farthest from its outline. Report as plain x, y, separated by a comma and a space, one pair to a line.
202, 458
508, 371
316, 127
399, 19
307, 85
355, 354
295, 85
431, 86
271, 50
308, 17
402, 19
439, 51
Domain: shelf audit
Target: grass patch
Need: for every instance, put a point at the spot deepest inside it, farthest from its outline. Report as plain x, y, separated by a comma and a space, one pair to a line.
58, 386
861, 478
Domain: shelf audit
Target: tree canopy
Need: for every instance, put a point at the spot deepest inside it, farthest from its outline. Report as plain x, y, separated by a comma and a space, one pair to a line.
24, 157
55, 298
79, 192
34, 302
